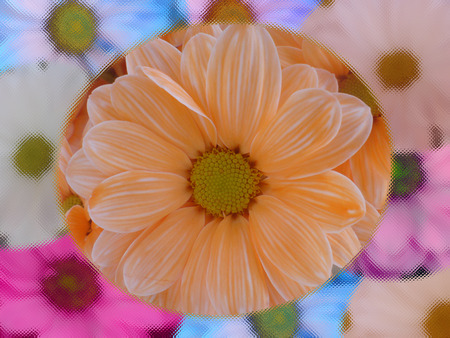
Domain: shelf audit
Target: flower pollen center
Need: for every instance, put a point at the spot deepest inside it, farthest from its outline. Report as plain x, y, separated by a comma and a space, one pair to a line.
33, 156
72, 27
224, 182
437, 320
398, 69
231, 11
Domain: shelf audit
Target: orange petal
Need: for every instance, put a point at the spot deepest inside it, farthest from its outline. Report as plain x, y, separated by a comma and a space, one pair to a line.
283, 37
99, 105
344, 245
354, 131
286, 288
194, 63
331, 199
295, 78
156, 260
290, 56
82, 176
308, 120
135, 200
365, 228
110, 247
157, 54
294, 246
175, 38
243, 84
140, 100
370, 166
327, 80
177, 92
210, 30
118, 146
78, 224
195, 298
319, 58
234, 279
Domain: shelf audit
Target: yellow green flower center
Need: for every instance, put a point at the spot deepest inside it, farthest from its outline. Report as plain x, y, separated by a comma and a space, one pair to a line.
231, 11
33, 156
352, 85
398, 69
69, 202
72, 27
280, 321
437, 320
224, 182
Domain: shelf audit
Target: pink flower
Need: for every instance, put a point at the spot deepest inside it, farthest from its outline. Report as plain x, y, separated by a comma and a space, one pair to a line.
52, 291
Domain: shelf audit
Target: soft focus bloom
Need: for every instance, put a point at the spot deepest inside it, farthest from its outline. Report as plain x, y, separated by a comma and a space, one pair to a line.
285, 13
414, 233
321, 312
210, 173
51, 291
90, 32
202, 326
400, 49
36, 100
410, 308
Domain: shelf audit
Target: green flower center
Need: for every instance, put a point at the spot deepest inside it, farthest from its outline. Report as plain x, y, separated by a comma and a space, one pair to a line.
72, 285
276, 322
352, 85
398, 69
224, 182
72, 27
231, 11
33, 156
407, 175
69, 202
437, 320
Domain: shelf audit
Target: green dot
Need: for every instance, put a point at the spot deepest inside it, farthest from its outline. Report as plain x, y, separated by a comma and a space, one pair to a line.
33, 156
281, 321
72, 27
407, 175
69, 202
398, 69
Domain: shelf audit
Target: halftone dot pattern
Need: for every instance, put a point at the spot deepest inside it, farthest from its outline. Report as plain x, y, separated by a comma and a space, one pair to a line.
410, 245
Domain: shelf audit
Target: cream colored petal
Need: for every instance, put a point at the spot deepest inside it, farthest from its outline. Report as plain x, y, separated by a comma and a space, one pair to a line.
210, 30
327, 80
140, 100
290, 56
295, 78
99, 105
157, 54
285, 289
308, 120
82, 176
194, 295
118, 146
371, 166
175, 38
365, 228
157, 258
169, 299
135, 200
319, 58
330, 198
294, 246
194, 64
234, 279
283, 37
90, 241
110, 247
354, 131
344, 245
243, 84
177, 92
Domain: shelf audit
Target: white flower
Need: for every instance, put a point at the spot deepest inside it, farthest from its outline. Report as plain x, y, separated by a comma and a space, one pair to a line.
401, 49
35, 101
410, 308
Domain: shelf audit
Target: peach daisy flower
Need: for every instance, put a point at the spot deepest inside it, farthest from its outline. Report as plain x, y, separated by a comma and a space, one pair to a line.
210, 173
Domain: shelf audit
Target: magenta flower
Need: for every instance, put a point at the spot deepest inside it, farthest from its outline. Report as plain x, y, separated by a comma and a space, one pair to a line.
52, 291
414, 235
